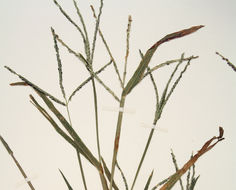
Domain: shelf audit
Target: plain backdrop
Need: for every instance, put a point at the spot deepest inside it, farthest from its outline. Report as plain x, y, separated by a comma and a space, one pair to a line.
203, 100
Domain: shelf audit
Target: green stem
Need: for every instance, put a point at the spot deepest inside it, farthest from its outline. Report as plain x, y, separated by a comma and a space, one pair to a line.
96, 118
143, 156
117, 139
78, 154
16, 162
81, 170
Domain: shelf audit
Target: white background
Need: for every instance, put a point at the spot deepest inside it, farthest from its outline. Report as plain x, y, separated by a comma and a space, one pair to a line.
204, 99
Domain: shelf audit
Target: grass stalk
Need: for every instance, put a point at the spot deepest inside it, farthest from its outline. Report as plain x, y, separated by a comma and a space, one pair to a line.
96, 30
108, 50
87, 45
123, 176
168, 63
81, 170
117, 139
88, 79
108, 174
96, 119
17, 163
156, 117
73, 23
142, 158
88, 66
65, 98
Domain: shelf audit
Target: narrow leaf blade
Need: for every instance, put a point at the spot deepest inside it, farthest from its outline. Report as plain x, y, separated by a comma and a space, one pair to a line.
66, 181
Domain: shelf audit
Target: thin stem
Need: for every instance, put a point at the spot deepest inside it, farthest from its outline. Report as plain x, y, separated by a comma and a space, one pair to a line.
87, 80
96, 30
78, 154
117, 140
87, 46
168, 63
96, 118
108, 50
123, 176
156, 117
142, 158
17, 163
88, 66
108, 174
81, 170
64, 95
72, 22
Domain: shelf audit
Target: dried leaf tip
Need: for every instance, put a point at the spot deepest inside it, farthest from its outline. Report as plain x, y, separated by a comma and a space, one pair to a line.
130, 18
221, 133
178, 34
19, 84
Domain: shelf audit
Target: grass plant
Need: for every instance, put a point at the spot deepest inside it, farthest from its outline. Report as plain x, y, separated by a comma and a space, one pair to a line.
64, 127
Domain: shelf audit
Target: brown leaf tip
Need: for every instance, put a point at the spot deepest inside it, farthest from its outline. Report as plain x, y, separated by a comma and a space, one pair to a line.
221, 133
19, 84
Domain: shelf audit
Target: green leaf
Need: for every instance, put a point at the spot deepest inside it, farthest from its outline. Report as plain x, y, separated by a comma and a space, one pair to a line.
67, 183
148, 181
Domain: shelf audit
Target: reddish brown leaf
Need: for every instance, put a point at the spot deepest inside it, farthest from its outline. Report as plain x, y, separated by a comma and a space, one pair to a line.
206, 147
19, 84
175, 35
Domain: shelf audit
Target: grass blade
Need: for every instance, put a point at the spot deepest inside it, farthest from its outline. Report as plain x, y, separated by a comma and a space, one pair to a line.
148, 181
160, 183
34, 86
205, 148
156, 117
176, 168
139, 73
66, 181
83, 148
